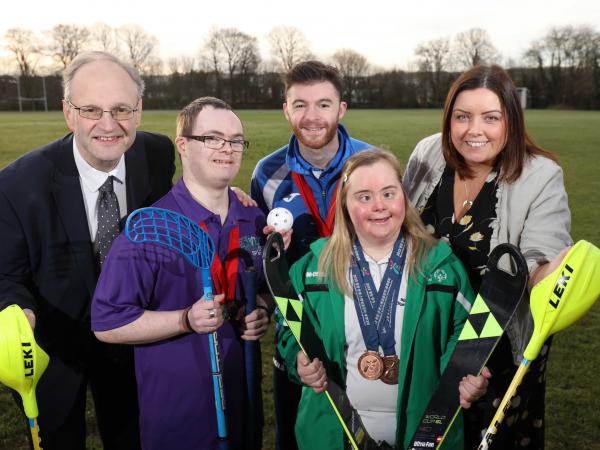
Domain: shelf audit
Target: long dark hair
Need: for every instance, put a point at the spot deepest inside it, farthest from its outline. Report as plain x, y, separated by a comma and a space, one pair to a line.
519, 145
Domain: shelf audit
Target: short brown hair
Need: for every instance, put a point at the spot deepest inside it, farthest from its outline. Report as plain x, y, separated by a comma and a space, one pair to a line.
519, 145
310, 72
187, 117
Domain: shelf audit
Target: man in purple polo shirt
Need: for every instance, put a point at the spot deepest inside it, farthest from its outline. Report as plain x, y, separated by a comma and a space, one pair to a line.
149, 296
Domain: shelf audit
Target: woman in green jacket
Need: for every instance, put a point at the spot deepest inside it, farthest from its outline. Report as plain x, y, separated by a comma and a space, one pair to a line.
388, 302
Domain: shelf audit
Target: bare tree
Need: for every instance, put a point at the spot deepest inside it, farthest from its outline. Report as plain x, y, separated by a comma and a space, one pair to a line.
153, 66
232, 43
351, 65
567, 60
67, 42
557, 46
104, 37
473, 47
210, 55
187, 63
173, 64
569, 47
181, 64
140, 48
249, 56
433, 55
288, 46
249, 62
233, 52
534, 55
433, 59
25, 46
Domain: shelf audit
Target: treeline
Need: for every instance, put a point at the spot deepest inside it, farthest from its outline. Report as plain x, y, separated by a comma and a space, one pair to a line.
391, 89
560, 70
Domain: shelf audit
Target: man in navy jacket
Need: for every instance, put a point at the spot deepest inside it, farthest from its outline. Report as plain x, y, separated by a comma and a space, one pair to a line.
302, 177
48, 263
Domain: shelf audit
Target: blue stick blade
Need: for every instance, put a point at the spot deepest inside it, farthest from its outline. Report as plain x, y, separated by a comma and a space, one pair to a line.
172, 230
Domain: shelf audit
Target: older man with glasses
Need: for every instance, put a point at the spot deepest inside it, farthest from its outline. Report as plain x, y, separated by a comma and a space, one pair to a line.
61, 208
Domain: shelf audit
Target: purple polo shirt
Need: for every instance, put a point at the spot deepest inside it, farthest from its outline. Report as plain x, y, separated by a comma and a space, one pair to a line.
175, 388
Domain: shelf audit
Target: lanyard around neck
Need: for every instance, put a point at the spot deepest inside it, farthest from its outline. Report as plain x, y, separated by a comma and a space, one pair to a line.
376, 309
324, 228
225, 278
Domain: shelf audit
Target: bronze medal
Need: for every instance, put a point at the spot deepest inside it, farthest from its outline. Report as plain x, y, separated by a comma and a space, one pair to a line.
370, 365
390, 369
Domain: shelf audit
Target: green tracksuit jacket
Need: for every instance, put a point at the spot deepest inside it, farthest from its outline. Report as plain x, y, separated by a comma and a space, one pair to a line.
437, 304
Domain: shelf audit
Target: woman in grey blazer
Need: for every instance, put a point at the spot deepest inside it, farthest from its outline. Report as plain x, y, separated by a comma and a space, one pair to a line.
479, 183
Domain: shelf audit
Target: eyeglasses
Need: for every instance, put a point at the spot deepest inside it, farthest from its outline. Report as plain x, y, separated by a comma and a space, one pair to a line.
217, 143
95, 112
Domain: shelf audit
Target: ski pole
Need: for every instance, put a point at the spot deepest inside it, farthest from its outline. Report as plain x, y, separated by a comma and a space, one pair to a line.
556, 302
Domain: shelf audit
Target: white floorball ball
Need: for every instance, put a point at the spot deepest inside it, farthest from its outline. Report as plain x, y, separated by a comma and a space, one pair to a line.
281, 219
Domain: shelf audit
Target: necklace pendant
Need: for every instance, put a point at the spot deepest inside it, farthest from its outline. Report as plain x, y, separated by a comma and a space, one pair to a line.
468, 203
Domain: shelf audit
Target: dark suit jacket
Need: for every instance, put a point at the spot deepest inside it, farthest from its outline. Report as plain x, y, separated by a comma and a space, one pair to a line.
46, 257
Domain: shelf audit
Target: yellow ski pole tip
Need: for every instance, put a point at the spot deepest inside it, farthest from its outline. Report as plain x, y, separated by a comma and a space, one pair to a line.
22, 361
565, 295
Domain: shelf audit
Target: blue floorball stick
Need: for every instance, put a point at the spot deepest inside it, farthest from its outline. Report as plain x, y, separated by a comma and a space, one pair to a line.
250, 352
178, 233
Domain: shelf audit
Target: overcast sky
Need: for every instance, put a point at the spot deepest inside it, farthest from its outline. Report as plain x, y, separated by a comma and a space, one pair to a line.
385, 31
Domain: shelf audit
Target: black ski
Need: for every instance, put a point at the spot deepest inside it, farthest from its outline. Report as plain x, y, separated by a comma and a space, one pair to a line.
290, 307
493, 308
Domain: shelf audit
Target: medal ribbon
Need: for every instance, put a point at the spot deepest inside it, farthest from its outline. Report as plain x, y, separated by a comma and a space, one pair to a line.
323, 228
224, 279
376, 310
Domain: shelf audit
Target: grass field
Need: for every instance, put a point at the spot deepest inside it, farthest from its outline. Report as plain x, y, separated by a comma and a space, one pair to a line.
573, 396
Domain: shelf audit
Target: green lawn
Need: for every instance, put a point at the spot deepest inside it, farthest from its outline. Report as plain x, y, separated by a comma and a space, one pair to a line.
573, 395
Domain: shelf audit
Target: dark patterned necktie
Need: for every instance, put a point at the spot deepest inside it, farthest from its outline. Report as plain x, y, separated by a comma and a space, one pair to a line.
108, 219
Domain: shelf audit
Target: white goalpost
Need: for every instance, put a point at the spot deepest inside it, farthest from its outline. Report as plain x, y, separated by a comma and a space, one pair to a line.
21, 99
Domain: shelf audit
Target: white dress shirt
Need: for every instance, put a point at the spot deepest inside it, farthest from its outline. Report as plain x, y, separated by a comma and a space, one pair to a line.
91, 179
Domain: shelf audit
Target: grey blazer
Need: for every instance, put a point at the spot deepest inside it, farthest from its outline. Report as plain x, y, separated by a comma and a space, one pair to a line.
531, 213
